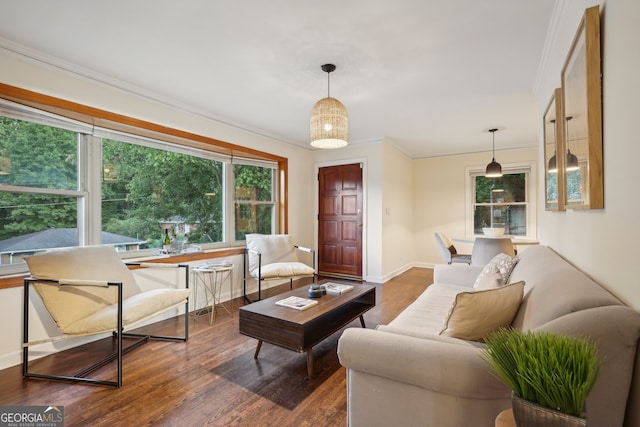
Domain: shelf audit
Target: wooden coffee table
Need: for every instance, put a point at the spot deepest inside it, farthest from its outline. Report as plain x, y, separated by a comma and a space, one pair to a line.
301, 330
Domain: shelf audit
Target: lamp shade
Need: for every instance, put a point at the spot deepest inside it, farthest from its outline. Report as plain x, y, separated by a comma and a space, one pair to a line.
329, 124
494, 170
572, 161
553, 164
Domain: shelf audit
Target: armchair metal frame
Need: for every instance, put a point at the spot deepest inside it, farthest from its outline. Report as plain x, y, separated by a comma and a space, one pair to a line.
260, 279
118, 334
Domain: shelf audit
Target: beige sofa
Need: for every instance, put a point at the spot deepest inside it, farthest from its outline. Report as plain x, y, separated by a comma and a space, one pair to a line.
406, 373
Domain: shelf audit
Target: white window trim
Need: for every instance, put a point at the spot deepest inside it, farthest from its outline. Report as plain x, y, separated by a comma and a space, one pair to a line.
532, 194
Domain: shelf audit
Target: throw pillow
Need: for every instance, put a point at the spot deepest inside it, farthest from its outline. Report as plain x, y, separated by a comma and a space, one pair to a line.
490, 280
501, 263
474, 315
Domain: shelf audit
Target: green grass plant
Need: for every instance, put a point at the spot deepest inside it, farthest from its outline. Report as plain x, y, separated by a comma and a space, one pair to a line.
554, 371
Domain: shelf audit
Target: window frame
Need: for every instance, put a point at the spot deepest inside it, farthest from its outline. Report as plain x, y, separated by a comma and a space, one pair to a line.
89, 192
529, 168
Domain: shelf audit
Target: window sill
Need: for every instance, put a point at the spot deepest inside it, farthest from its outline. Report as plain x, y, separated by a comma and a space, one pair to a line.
16, 280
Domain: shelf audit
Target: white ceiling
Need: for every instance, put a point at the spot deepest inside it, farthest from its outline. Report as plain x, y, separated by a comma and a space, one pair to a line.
431, 76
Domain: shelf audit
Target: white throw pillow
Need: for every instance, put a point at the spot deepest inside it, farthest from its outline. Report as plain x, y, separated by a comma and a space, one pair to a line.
491, 280
476, 314
503, 265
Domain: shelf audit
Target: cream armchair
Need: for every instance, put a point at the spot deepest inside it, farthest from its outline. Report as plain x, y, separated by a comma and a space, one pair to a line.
274, 257
89, 290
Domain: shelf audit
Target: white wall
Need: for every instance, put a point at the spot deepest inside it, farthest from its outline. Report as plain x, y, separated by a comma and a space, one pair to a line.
603, 242
439, 199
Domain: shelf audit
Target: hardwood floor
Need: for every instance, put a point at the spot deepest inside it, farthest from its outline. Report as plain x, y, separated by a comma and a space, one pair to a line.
213, 378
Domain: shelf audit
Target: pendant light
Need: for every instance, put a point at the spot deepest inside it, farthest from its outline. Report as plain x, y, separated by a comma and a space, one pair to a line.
494, 170
329, 124
553, 161
572, 159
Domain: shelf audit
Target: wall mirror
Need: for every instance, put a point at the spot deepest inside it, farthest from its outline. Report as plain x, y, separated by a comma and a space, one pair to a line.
553, 128
582, 117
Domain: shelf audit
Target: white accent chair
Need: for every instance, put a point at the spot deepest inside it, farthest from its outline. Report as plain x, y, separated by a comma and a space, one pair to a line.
274, 257
485, 248
89, 290
448, 252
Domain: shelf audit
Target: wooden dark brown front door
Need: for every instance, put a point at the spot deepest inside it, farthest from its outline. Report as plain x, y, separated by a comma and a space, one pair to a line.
340, 221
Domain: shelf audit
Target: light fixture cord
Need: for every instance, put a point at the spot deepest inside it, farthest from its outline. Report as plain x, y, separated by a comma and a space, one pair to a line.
329, 84
493, 146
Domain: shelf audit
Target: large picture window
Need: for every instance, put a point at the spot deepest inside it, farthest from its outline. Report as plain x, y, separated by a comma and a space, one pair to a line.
66, 184
147, 190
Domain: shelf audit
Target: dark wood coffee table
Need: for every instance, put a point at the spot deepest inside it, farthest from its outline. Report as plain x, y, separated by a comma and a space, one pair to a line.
301, 330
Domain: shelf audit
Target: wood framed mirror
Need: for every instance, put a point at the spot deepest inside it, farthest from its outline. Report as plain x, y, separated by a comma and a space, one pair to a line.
582, 117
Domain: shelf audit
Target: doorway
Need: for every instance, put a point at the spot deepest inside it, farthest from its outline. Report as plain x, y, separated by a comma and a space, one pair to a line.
340, 226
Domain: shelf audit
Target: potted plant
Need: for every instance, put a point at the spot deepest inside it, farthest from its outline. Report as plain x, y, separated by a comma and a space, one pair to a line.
550, 375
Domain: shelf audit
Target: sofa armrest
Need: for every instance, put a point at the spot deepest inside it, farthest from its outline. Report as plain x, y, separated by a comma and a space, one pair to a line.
456, 274
435, 365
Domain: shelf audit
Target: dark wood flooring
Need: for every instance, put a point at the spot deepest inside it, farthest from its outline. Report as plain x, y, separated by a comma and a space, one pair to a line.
213, 378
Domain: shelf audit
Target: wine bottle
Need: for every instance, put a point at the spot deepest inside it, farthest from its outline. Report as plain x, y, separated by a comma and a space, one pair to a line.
166, 243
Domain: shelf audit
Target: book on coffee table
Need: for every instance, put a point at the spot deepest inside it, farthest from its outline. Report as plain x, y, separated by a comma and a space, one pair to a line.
297, 303
337, 288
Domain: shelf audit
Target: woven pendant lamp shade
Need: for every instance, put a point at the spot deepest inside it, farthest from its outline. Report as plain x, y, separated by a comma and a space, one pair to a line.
329, 124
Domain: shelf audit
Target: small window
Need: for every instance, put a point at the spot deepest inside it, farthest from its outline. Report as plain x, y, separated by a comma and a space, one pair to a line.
501, 202
254, 199
508, 201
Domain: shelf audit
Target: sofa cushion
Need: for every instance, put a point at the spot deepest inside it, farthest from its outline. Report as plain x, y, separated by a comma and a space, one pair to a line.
473, 315
427, 313
502, 264
554, 288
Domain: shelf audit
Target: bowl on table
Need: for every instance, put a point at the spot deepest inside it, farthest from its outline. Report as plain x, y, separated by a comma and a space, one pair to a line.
493, 231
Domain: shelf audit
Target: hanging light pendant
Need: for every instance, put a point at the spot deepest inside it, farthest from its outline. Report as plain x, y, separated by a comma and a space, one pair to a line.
494, 170
572, 159
329, 123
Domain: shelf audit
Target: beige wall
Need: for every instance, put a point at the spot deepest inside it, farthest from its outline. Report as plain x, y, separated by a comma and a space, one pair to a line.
397, 212
603, 242
439, 198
